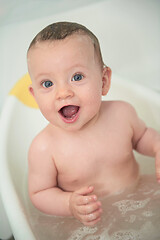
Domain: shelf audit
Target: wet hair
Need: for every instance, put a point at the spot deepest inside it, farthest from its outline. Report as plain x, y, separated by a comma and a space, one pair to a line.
62, 30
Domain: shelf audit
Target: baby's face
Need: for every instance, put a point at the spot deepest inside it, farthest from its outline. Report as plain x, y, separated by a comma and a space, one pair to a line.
67, 81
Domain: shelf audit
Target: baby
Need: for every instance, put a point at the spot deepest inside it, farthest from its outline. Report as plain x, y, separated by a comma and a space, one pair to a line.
86, 150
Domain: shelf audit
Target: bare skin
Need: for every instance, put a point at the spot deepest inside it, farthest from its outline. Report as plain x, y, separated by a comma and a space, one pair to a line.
78, 158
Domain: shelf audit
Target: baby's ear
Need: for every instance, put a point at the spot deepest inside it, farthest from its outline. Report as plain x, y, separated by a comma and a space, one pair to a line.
30, 88
106, 80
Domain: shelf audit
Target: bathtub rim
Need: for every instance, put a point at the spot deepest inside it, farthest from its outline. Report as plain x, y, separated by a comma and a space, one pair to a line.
16, 212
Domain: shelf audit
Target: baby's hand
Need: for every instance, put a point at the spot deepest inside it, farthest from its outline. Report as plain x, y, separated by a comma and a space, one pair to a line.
85, 208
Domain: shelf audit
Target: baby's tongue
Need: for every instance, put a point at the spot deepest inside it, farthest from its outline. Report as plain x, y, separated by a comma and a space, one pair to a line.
69, 111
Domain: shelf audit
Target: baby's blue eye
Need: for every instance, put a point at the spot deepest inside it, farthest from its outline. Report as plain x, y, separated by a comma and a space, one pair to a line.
47, 84
77, 77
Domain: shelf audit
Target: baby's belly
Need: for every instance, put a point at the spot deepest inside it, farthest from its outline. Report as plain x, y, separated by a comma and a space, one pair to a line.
105, 182
116, 185
117, 181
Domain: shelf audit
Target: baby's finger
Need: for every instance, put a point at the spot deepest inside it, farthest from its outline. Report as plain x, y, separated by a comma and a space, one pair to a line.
85, 190
89, 208
83, 200
89, 224
91, 218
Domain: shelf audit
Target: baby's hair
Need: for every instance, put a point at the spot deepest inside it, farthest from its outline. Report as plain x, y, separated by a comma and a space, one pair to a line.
61, 30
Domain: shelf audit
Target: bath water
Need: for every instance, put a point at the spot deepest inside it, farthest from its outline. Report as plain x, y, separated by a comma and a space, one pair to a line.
133, 214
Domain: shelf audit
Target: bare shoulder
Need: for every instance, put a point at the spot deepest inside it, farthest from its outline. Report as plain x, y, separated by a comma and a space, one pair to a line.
40, 145
120, 107
126, 114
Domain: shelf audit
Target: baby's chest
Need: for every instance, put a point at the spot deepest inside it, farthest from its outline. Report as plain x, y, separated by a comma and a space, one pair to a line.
91, 155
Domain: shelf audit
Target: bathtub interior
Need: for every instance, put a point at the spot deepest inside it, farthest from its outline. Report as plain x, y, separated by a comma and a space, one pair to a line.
23, 123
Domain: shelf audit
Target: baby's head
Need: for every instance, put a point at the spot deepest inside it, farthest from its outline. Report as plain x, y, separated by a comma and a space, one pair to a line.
68, 75
62, 30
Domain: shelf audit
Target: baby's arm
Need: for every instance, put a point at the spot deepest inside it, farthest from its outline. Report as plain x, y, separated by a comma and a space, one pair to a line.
146, 140
43, 190
48, 197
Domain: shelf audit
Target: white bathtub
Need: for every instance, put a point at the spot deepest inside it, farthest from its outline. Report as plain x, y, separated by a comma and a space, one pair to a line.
18, 126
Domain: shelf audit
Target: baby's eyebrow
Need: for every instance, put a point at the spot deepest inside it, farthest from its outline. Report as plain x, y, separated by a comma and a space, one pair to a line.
48, 75
77, 66
45, 75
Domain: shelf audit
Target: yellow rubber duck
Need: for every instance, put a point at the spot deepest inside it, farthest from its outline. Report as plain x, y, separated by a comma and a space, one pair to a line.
21, 92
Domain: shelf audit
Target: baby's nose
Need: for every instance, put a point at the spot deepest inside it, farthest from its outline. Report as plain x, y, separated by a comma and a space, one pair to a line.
64, 92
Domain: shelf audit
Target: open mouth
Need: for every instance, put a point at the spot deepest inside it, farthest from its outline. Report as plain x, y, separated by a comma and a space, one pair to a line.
69, 113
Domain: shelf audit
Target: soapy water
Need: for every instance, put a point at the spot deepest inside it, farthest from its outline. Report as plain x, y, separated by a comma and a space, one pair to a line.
133, 214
